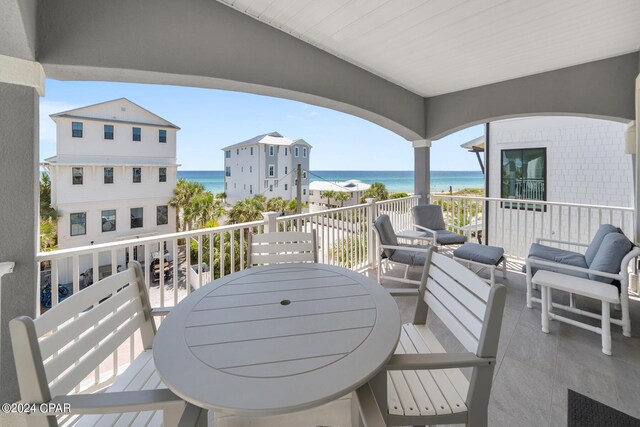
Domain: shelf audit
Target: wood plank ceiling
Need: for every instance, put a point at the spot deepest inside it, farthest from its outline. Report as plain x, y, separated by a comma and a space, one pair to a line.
439, 46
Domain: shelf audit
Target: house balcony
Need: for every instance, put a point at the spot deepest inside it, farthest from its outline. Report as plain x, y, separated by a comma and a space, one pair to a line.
534, 370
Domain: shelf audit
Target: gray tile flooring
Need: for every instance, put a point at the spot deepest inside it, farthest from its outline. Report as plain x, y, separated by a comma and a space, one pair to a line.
534, 369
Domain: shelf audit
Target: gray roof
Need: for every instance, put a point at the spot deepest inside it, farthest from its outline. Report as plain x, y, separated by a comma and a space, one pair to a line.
258, 140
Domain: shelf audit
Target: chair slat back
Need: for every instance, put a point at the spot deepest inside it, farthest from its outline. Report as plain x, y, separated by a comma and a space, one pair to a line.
282, 247
429, 216
458, 297
56, 351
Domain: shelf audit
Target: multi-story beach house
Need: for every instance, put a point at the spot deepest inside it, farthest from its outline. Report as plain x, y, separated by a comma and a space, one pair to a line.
353, 187
112, 176
266, 164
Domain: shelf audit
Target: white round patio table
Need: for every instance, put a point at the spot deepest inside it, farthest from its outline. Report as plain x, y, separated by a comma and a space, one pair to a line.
277, 339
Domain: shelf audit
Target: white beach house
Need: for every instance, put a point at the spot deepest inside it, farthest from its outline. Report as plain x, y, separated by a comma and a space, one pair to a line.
266, 164
354, 187
112, 176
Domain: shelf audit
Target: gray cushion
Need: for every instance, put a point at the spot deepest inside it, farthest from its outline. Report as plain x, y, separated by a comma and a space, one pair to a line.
410, 257
386, 233
613, 248
591, 251
429, 216
554, 269
446, 237
490, 255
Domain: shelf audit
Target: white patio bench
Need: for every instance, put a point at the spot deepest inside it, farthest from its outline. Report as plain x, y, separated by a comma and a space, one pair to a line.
55, 352
422, 384
548, 280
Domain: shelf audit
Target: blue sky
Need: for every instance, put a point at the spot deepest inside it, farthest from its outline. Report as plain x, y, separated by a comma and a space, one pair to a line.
211, 119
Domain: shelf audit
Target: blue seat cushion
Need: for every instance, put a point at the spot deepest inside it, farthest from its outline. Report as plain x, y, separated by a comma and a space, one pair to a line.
592, 250
612, 250
561, 256
386, 233
490, 255
410, 257
535, 268
446, 237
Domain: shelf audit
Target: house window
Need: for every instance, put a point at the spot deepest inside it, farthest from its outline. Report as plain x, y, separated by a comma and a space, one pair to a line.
162, 135
304, 152
272, 170
227, 154
250, 169
524, 174
136, 217
76, 129
296, 151
237, 151
286, 170
137, 134
78, 223
304, 174
108, 175
137, 175
227, 171
266, 183
250, 189
108, 220
162, 215
271, 188
76, 176
271, 150
108, 131
251, 151
286, 187
286, 151
304, 191
162, 175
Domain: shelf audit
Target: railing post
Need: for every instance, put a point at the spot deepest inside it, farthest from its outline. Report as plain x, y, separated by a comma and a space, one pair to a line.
270, 225
371, 216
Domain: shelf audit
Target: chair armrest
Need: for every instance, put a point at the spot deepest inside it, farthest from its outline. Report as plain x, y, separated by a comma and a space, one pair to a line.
437, 361
115, 402
403, 292
368, 406
161, 311
564, 242
560, 266
434, 232
426, 249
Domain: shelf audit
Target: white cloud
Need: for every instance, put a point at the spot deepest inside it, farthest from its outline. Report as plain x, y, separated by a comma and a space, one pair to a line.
48, 127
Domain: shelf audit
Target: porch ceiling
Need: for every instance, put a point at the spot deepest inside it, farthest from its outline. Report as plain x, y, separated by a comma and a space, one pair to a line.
443, 46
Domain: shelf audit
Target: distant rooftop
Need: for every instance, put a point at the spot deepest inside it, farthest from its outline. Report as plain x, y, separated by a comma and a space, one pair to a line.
65, 160
272, 138
344, 186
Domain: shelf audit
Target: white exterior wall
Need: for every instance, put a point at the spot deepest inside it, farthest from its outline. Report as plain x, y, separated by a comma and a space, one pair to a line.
249, 173
93, 153
315, 198
586, 162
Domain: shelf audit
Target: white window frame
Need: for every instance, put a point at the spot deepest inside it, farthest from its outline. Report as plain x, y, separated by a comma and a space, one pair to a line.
296, 151
272, 170
272, 150
304, 151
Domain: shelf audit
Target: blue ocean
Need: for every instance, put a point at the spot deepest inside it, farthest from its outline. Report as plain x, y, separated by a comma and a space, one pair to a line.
395, 181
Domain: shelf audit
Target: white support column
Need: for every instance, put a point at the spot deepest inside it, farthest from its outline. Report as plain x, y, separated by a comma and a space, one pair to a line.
637, 163
422, 169
371, 244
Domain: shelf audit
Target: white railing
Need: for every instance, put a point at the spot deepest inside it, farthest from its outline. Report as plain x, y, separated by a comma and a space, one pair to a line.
194, 258
515, 224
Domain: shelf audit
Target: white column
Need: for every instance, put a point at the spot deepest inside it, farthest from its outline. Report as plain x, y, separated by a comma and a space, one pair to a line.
422, 168
637, 163
270, 225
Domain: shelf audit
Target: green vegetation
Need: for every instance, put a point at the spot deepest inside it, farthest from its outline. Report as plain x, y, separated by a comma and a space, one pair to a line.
345, 251
329, 194
341, 196
398, 195
195, 206
206, 252
377, 190
48, 217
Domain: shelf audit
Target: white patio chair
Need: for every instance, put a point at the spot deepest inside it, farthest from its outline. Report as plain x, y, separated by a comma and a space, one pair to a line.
429, 220
55, 352
282, 247
422, 384
391, 251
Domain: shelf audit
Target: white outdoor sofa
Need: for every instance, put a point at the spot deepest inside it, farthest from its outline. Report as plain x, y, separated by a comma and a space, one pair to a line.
596, 275
422, 384
55, 352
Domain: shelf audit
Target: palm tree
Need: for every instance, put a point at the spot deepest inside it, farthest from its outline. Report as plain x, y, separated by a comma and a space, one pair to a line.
46, 211
341, 196
377, 191
206, 209
277, 204
247, 210
183, 196
329, 194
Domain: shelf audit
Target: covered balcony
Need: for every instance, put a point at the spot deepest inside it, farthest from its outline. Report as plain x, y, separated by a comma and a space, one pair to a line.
403, 67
